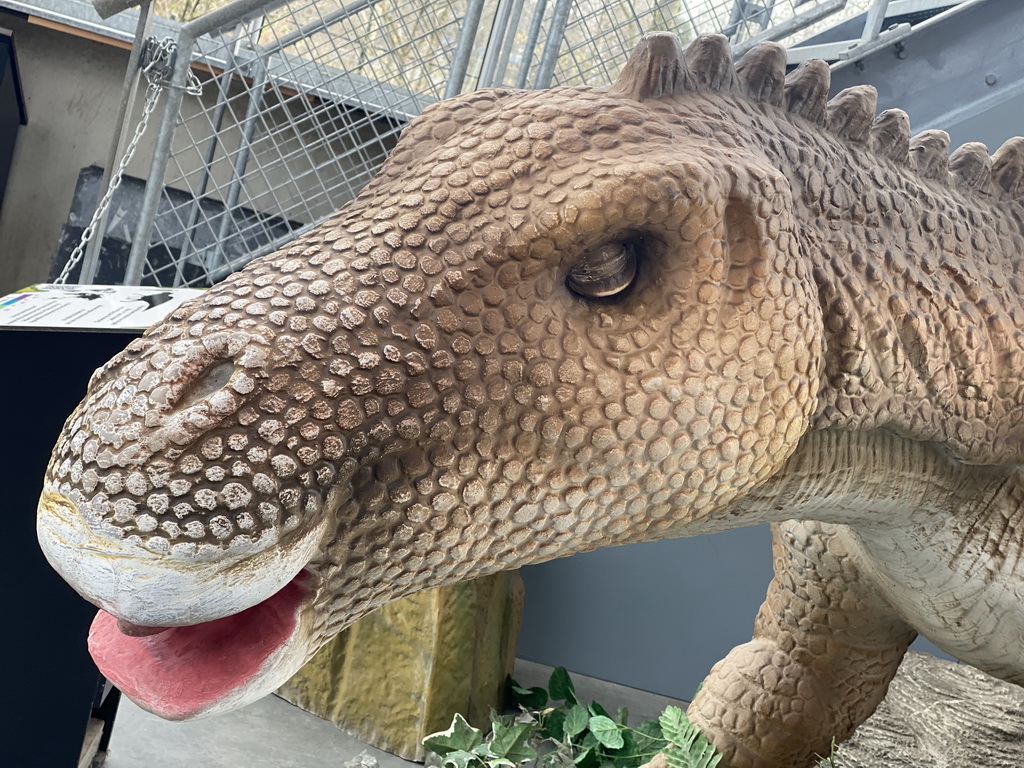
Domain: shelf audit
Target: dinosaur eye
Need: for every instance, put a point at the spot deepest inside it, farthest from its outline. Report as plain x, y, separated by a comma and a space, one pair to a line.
605, 271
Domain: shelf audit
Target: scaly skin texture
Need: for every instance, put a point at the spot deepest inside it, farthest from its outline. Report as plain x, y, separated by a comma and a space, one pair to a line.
797, 315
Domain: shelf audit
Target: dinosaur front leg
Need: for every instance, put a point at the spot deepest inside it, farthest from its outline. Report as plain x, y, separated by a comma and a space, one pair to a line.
821, 659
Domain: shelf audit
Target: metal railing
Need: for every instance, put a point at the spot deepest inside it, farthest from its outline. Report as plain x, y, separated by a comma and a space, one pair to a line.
303, 100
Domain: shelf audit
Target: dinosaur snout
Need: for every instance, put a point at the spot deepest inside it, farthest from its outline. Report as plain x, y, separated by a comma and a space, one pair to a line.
148, 589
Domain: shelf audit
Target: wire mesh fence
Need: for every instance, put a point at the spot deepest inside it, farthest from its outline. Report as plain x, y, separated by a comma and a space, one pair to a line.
300, 105
303, 100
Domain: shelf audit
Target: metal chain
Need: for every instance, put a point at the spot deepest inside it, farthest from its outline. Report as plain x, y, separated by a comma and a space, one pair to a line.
157, 61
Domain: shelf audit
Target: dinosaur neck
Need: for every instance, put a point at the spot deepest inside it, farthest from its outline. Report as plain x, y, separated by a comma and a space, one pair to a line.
920, 288
868, 479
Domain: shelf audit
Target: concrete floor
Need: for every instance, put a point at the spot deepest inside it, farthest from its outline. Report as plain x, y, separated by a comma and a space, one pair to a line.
272, 733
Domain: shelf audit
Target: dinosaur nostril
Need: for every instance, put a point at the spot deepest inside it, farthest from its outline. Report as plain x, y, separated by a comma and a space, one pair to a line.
208, 382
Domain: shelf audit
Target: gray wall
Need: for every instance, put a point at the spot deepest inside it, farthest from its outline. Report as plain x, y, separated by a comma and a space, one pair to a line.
72, 89
653, 616
962, 72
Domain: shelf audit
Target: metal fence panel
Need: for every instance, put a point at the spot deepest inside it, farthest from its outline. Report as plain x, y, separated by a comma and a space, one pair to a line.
303, 100
300, 106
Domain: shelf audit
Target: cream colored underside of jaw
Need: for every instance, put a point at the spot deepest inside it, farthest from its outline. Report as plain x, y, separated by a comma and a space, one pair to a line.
942, 541
143, 587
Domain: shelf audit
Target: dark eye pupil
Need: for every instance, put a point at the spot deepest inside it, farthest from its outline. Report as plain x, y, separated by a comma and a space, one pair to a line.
605, 271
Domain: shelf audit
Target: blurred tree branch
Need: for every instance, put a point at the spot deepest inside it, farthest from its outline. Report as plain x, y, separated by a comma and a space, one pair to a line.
185, 10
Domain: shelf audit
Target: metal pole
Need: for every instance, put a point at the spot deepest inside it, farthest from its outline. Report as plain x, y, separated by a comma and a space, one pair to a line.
510, 41
252, 111
219, 110
874, 20
319, 25
90, 265
788, 27
531, 43
736, 15
464, 50
492, 52
161, 154
766, 14
227, 16
553, 45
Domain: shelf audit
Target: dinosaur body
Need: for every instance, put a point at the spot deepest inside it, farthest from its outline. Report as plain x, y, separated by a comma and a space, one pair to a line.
698, 299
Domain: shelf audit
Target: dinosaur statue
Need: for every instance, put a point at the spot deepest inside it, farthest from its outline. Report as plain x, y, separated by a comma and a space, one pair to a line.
700, 298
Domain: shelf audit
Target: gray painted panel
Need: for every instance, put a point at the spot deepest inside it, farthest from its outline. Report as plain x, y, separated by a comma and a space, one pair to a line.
652, 616
991, 127
942, 75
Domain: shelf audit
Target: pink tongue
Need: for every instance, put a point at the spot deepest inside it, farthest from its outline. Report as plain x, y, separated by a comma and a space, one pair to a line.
178, 672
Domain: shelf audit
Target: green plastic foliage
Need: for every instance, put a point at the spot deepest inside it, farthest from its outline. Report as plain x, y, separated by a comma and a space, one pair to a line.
459, 736
561, 686
463, 746
606, 732
528, 698
576, 719
510, 742
689, 747
570, 735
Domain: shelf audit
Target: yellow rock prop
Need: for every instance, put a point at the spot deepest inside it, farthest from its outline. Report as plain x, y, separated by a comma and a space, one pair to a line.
402, 672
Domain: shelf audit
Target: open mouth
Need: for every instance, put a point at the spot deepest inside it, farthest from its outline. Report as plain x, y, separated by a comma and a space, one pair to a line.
185, 672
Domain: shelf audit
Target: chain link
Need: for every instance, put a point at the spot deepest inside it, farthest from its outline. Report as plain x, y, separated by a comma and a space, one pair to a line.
157, 62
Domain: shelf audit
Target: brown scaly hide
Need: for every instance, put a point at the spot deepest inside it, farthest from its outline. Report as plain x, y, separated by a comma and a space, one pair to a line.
701, 298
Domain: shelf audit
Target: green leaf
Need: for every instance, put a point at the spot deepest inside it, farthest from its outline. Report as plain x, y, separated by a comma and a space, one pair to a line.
650, 728
626, 756
597, 709
460, 758
586, 758
460, 736
511, 742
674, 724
505, 720
606, 731
561, 686
554, 725
696, 756
483, 750
649, 740
485, 757
690, 748
622, 716
576, 720
528, 698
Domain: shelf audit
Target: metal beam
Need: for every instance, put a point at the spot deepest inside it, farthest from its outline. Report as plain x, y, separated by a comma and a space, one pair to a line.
952, 67
464, 49
294, 72
553, 44
135, 268
132, 76
795, 24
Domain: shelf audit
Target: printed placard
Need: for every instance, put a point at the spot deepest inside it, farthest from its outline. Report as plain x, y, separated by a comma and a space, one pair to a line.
91, 307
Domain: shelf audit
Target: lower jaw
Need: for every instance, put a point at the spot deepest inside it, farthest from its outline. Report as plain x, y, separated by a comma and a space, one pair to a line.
182, 673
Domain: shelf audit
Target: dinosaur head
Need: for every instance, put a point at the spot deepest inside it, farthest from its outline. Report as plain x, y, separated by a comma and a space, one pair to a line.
555, 321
